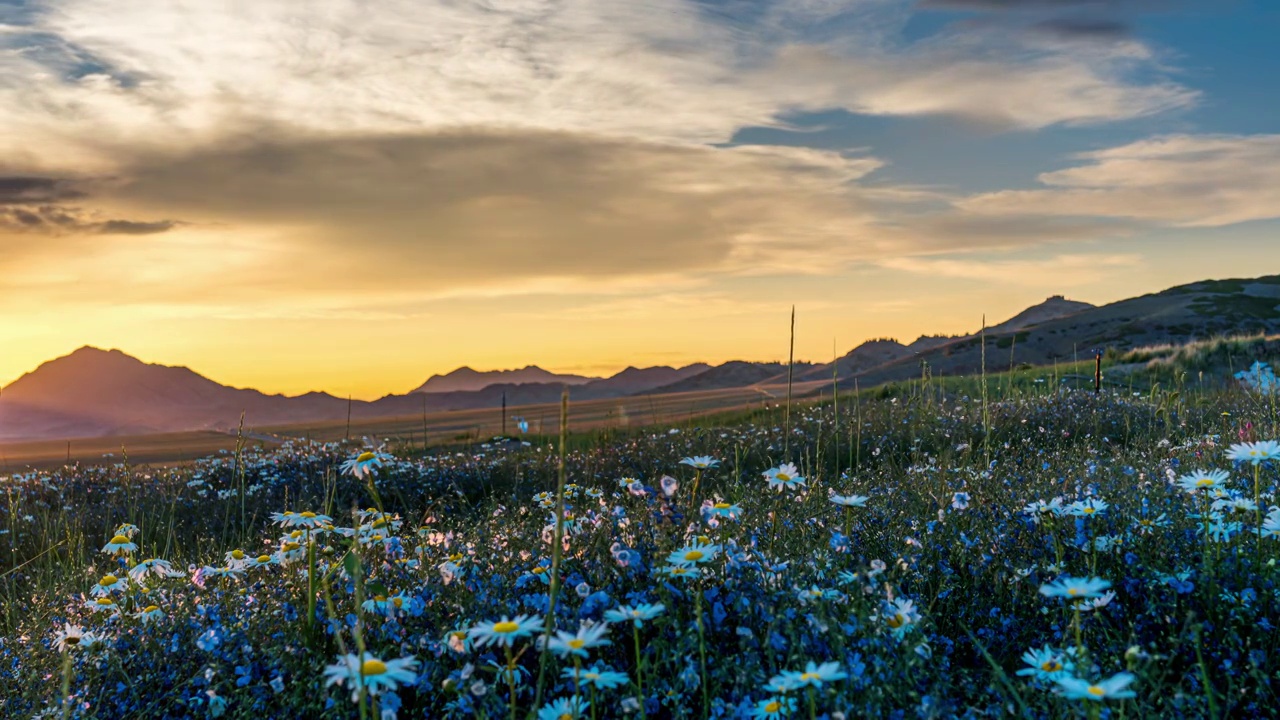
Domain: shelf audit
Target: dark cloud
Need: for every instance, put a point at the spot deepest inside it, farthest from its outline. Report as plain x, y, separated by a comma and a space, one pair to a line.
1064, 19
521, 204
31, 203
130, 227
1019, 5
1070, 28
20, 189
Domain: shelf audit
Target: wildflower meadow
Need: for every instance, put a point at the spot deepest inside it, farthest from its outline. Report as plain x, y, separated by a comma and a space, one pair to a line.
920, 551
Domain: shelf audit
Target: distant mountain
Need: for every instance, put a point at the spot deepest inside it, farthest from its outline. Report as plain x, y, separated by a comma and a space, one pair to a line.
874, 353
101, 392
1195, 311
465, 379
93, 392
864, 357
636, 380
735, 373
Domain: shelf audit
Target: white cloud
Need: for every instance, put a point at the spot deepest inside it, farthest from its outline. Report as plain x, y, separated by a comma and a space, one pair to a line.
1178, 180
131, 73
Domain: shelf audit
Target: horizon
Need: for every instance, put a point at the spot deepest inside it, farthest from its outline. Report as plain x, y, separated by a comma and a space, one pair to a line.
608, 373
354, 199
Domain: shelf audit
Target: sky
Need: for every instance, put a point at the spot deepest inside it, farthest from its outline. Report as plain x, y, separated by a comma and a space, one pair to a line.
352, 195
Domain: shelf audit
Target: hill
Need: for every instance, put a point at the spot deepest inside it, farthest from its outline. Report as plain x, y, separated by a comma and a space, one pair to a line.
1054, 308
864, 357
98, 392
735, 373
93, 392
1195, 311
635, 380
466, 379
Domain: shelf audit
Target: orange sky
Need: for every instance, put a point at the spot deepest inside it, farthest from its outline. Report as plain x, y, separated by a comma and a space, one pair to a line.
368, 346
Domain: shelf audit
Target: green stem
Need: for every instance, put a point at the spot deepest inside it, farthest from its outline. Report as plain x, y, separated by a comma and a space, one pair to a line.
511, 681
635, 632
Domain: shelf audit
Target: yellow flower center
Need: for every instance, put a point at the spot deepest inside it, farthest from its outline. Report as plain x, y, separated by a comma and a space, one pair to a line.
380, 522
722, 506
263, 559
1051, 666
397, 601
291, 546
773, 707
373, 666
896, 621
784, 477
539, 570
577, 643
693, 555
308, 514
380, 598
119, 540
151, 609
505, 627
237, 554
365, 457
1088, 511
809, 676
104, 601
72, 640
1096, 691
1073, 591
1204, 482
108, 580
565, 716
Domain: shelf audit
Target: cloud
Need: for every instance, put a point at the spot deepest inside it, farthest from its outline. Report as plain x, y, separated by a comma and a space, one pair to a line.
90, 80
1175, 180
389, 220
468, 206
58, 220
28, 205
1110, 20
15, 189
1065, 270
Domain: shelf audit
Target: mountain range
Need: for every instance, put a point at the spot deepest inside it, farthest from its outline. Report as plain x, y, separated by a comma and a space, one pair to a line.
465, 379
94, 392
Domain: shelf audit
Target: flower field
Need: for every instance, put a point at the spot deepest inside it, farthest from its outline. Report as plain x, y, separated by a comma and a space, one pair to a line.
915, 553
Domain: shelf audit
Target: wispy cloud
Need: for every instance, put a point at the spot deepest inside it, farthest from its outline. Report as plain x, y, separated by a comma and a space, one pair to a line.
1179, 180
96, 75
